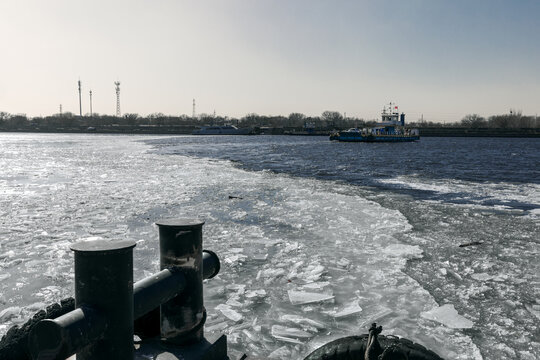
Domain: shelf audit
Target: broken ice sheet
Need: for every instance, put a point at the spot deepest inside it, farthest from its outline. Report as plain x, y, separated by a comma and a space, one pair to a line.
481, 276
280, 353
534, 309
299, 320
402, 250
234, 259
376, 315
216, 327
343, 263
260, 293
316, 285
289, 334
312, 273
260, 256
229, 313
304, 297
448, 316
9, 313
350, 309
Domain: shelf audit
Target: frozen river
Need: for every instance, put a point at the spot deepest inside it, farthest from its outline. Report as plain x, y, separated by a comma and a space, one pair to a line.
313, 249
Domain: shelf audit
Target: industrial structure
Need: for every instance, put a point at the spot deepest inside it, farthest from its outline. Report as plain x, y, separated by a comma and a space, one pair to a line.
117, 83
80, 102
90, 103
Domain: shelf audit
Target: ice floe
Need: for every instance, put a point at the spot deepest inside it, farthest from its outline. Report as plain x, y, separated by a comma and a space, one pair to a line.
448, 316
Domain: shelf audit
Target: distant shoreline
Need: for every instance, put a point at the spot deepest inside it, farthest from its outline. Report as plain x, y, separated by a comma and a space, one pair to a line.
175, 130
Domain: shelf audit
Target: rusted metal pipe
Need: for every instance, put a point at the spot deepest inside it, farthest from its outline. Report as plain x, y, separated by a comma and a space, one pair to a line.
180, 242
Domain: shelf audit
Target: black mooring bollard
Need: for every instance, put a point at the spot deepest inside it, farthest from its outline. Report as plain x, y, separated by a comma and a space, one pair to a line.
62, 337
104, 282
151, 292
183, 317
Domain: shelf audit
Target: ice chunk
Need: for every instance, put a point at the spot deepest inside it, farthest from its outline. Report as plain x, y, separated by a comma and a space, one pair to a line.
281, 353
303, 297
402, 250
260, 257
272, 273
8, 254
302, 320
316, 285
37, 306
233, 259
91, 238
350, 309
448, 316
249, 335
234, 302
381, 313
261, 293
343, 263
229, 313
216, 327
481, 276
10, 312
289, 334
534, 309
454, 274
312, 273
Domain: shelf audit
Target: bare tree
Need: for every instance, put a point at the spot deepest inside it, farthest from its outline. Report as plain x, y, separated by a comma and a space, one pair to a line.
473, 121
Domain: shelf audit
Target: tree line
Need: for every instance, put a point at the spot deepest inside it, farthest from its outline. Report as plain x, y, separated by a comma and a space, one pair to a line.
328, 120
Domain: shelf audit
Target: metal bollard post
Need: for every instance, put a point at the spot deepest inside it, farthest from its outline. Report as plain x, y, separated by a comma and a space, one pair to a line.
183, 317
66, 335
104, 282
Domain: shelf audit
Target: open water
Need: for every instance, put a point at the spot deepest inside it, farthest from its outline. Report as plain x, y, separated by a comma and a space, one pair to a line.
323, 238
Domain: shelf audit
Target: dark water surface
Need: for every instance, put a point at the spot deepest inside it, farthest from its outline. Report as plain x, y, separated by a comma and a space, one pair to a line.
431, 162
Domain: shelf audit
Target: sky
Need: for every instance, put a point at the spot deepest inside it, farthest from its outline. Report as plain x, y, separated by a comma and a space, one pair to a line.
438, 59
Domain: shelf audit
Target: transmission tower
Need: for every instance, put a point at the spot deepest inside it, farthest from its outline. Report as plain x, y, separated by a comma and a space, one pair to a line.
117, 83
90, 103
60, 109
194, 108
80, 103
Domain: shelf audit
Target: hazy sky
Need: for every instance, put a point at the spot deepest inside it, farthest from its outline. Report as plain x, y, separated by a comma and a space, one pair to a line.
443, 59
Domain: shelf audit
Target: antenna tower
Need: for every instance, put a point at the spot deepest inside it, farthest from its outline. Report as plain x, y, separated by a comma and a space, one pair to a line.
194, 108
80, 103
60, 109
117, 83
90, 103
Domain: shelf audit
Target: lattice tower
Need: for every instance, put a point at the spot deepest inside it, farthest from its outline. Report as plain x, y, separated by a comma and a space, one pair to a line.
117, 83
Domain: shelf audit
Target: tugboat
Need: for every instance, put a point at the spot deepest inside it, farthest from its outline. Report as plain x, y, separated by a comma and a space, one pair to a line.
390, 129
